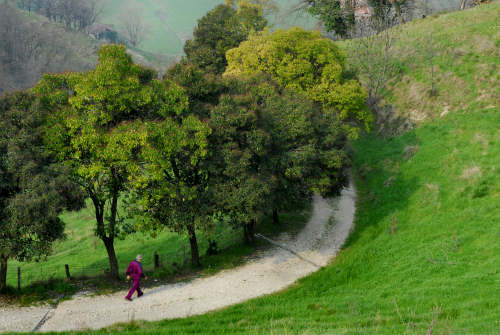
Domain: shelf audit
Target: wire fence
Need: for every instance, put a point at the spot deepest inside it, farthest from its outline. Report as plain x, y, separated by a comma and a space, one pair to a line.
26, 274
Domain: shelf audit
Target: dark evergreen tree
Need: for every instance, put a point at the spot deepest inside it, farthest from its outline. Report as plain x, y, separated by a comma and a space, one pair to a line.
223, 28
34, 188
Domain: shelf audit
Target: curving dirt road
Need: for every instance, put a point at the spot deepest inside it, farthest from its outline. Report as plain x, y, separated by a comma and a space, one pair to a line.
271, 271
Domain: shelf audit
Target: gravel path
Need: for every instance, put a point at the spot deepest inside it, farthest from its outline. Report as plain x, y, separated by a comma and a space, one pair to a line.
272, 270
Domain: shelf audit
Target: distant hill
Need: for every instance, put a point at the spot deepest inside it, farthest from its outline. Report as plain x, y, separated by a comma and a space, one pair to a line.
170, 23
31, 46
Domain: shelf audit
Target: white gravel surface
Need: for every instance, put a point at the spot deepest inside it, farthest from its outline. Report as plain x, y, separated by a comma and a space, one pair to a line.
272, 270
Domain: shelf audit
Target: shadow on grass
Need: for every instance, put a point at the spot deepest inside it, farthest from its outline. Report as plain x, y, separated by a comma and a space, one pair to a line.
382, 189
174, 266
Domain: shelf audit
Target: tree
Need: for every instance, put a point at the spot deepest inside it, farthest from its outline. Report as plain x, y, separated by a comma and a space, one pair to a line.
203, 88
133, 26
338, 16
34, 188
221, 29
26, 4
398, 8
98, 129
384, 9
308, 64
243, 187
374, 56
313, 68
173, 189
74, 14
273, 149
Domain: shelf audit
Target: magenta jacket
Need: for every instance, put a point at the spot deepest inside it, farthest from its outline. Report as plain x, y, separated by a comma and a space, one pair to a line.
135, 270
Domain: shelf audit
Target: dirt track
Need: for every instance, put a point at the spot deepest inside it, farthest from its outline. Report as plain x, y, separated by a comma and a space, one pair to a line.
270, 271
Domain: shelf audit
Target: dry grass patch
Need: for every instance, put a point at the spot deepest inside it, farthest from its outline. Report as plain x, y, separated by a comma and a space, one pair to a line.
483, 44
480, 138
472, 173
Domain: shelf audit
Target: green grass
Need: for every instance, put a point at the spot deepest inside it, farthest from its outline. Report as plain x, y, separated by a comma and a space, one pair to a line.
424, 257
466, 49
444, 251
87, 258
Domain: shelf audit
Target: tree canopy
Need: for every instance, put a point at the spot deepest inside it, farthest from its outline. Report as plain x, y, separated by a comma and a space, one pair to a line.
98, 128
172, 188
34, 188
308, 64
221, 29
338, 16
273, 149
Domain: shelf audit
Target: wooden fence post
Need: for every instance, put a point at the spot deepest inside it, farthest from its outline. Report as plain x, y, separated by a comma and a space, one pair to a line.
66, 266
157, 261
19, 278
183, 254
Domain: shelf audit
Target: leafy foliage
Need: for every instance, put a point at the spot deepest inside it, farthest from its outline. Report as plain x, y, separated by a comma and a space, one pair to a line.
98, 129
273, 148
223, 28
34, 189
308, 64
172, 189
337, 15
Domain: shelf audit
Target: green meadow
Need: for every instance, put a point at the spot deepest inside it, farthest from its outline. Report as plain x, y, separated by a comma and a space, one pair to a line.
88, 263
86, 255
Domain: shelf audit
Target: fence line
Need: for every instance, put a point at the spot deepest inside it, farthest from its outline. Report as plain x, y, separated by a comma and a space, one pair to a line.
174, 260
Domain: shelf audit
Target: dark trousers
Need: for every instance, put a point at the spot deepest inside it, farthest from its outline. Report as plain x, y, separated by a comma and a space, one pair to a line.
135, 287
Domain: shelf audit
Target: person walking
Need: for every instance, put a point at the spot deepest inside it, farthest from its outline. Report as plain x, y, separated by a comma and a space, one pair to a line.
135, 272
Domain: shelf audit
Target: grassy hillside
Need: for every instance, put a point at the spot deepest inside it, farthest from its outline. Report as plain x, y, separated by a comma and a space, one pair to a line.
425, 257
464, 48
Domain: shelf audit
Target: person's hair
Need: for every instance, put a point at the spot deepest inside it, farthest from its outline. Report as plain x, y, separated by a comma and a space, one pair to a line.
138, 257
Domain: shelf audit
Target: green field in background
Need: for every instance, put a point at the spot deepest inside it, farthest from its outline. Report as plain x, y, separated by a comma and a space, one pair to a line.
171, 22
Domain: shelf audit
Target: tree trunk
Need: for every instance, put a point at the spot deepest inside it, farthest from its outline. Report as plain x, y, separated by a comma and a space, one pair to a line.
397, 8
249, 231
113, 262
276, 218
195, 254
462, 4
3, 273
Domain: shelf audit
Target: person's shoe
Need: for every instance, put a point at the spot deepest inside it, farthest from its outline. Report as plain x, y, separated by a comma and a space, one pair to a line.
128, 299
140, 294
